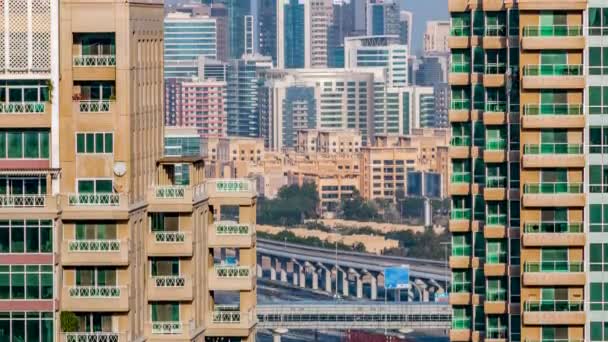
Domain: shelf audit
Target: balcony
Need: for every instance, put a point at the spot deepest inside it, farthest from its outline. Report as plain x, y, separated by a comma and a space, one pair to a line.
495, 151
495, 302
94, 253
460, 220
39, 203
231, 278
458, 5
495, 188
495, 37
94, 67
554, 273
169, 331
460, 37
170, 288
169, 243
231, 234
461, 329
494, 75
554, 76
95, 298
460, 74
553, 115
495, 113
493, 5
554, 312
462, 258
95, 206
240, 190
461, 148
556, 37
495, 268
559, 194
228, 320
552, 155
94, 106
495, 227
460, 110
558, 5
554, 234
460, 183
101, 336
170, 198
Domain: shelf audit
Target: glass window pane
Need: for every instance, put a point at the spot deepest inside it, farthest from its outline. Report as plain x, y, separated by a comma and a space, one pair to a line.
80, 143
44, 145
109, 143
98, 142
31, 145
86, 186
103, 185
18, 285
15, 145
46, 281
5, 286
33, 331
33, 285
17, 239
32, 242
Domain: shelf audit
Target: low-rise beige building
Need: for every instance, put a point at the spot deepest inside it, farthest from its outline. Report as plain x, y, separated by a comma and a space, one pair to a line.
328, 141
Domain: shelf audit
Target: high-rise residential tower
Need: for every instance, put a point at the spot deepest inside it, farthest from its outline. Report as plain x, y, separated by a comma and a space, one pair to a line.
290, 34
436, 37
519, 171
406, 22
383, 18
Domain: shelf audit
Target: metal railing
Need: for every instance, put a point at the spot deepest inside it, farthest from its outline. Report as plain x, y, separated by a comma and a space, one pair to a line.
496, 220
495, 31
22, 107
22, 201
461, 141
554, 266
496, 333
553, 31
553, 70
496, 257
170, 191
169, 281
94, 60
553, 109
553, 188
496, 295
460, 177
231, 228
496, 144
94, 245
554, 227
495, 68
460, 31
460, 68
232, 185
169, 237
459, 251
460, 104
226, 314
100, 336
94, 291
461, 323
496, 182
460, 214
554, 305
232, 271
496, 106
167, 328
553, 148
93, 106
94, 199
461, 287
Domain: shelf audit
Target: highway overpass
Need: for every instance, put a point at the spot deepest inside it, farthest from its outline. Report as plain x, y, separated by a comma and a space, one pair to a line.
316, 268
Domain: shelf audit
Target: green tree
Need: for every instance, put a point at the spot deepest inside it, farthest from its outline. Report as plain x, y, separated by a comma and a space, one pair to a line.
292, 206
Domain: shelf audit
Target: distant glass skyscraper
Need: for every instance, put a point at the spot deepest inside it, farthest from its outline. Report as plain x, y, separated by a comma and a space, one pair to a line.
186, 38
238, 26
267, 28
293, 39
383, 18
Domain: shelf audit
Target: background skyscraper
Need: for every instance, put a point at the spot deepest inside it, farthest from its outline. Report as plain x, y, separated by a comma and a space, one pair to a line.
383, 18
406, 22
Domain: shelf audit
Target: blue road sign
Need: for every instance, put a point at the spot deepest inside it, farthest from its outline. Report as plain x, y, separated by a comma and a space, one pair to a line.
397, 277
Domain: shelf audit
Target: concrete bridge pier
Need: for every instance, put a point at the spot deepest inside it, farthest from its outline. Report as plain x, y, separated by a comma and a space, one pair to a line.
283, 275
358, 281
299, 277
373, 284
314, 275
276, 334
327, 272
344, 280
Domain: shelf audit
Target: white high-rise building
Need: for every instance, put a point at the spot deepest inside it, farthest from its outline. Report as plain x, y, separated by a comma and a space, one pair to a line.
317, 18
406, 22
436, 37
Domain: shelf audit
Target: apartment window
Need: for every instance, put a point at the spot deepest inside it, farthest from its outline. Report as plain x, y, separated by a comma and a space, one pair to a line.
94, 142
598, 100
598, 178
598, 257
515, 288
28, 326
598, 17
598, 60
96, 231
461, 318
95, 186
480, 324
30, 236
598, 218
599, 331
30, 144
598, 297
26, 282
164, 266
480, 279
598, 135
496, 252
478, 23
95, 276
165, 312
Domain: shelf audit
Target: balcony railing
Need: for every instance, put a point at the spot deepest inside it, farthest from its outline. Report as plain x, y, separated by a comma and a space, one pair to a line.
169, 237
459, 251
460, 104
495, 31
496, 333
461, 177
554, 227
496, 295
169, 281
461, 287
554, 266
496, 145
553, 148
496, 220
231, 228
232, 185
168, 192
167, 328
94, 199
94, 291
460, 31
496, 258
232, 271
460, 214
226, 314
459, 323
553, 31
461, 141
553, 109
553, 188
22, 201
496, 182
94, 106
95, 60
22, 107
553, 70
94, 245
460, 68
495, 68
554, 306
92, 337
496, 106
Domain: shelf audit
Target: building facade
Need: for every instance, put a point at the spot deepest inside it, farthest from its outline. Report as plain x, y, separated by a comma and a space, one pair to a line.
518, 172
436, 37
382, 18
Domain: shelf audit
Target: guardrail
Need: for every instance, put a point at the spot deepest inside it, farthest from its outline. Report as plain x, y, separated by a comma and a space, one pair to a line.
553, 109
554, 266
553, 188
93, 106
553, 31
94, 60
553, 148
22, 107
92, 337
232, 271
94, 245
169, 237
167, 328
554, 305
553, 70
231, 228
94, 291
22, 201
169, 192
553, 227
169, 281
94, 199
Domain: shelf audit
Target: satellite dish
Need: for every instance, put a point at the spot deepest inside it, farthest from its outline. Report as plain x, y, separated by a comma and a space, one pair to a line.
120, 169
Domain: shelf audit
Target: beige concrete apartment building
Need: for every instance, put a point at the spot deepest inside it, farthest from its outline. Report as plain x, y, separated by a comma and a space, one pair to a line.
128, 244
328, 141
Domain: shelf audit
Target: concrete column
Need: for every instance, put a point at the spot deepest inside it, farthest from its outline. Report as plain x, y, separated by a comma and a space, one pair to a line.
302, 273
373, 287
327, 280
315, 280
273, 274
359, 286
259, 270
425, 295
344, 284
283, 275
276, 337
